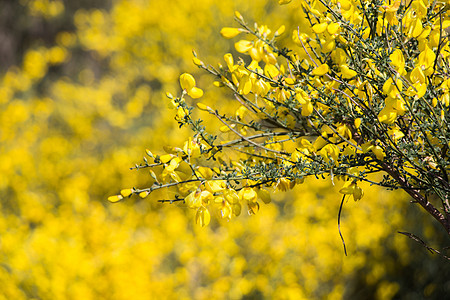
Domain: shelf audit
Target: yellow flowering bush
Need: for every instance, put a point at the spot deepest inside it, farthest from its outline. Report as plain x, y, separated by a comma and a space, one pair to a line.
345, 91
85, 93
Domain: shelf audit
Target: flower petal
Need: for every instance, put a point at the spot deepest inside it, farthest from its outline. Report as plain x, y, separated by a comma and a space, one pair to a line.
202, 217
229, 32
195, 92
187, 81
243, 46
321, 70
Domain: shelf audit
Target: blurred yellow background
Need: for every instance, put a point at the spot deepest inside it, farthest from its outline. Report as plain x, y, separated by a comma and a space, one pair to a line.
82, 97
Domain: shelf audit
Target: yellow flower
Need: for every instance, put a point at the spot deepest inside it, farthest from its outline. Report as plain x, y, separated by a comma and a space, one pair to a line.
320, 28
426, 60
418, 80
243, 46
203, 107
231, 196
344, 131
350, 188
392, 88
205, 172
202, 217
347, 73
253, 207
241, 112
390, 8
305, 100
197, 61
198, 198
174, 163
257, 49
126, 192
229, 32
285, 184
387, 115
333, 28
192, 148
228, 57
271, 71
398, 61
260, 87
395, 133
144, 194
330, 151
226, 210
379, 152
181, 114
280, 30
166, 158
187, 83
321, 70
115, 198
215, 186
247, 194
264, 195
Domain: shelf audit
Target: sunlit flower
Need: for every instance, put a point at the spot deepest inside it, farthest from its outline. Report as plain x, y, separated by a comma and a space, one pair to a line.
187, 83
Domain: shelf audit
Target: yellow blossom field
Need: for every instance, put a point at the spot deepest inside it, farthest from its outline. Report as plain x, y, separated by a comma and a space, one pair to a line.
83, 95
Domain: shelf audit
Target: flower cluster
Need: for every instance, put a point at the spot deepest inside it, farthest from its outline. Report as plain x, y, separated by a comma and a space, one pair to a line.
81, 95
364, 90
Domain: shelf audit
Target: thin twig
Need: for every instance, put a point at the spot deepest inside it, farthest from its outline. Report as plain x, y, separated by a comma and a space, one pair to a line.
339, 224
417, 239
